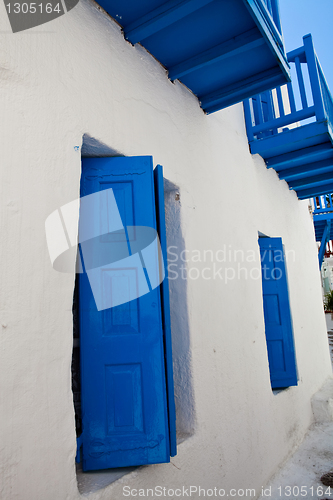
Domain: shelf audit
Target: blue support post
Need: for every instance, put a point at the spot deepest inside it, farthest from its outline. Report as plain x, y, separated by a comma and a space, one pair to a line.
270, 105
280, 101
301, 82
311, 59
324, 240
260, 110
291, 97
325, 202
248, 119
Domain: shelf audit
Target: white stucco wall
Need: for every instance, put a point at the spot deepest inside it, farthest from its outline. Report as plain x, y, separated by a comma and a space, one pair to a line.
76, 76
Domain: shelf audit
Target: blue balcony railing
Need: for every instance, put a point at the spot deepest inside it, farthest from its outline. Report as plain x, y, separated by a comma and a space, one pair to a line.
322, 210
322, 204
291, 127
327, 96
273, 8
271, 13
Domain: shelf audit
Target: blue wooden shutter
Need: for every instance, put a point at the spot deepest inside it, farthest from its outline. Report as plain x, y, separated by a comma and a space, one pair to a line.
278, 325
124, 402
159, 198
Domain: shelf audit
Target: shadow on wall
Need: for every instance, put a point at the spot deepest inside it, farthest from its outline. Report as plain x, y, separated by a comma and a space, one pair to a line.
181, 349
94, 148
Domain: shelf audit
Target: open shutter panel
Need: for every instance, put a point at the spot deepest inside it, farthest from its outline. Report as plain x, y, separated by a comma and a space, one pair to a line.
159, 198
278, 325
124, 404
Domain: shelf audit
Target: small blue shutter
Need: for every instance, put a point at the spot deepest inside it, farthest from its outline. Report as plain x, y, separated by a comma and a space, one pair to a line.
278, 325
159, 198
124, 401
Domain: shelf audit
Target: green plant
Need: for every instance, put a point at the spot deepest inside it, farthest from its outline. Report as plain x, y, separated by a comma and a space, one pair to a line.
328, 302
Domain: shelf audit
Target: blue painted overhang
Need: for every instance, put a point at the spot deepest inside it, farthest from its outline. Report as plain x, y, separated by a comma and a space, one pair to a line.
296, 141
223, 50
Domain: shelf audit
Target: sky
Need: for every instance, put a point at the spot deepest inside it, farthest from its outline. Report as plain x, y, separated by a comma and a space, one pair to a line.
300, 17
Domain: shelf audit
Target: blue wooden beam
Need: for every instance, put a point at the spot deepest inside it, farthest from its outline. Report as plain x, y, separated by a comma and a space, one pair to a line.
322, 217
297, 173
237, 45
300, 53
319, 234
248, 87
312, 181
320, 211
323, 242
319, 231
161, 17
319, 228
298, 138
314, 191
301, 157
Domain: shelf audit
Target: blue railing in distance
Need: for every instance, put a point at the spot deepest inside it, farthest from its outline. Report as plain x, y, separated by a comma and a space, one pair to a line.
322, 204
271, 115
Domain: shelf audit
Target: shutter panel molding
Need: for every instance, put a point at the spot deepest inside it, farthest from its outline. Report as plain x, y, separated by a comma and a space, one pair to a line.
278, 323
